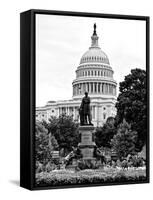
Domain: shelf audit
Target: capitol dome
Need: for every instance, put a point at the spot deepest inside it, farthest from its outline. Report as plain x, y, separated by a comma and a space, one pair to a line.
94, 73
94, 55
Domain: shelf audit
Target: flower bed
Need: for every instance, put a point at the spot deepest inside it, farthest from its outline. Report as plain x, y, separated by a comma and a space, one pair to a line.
66, 177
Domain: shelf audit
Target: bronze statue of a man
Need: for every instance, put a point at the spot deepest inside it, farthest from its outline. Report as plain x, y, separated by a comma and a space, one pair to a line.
84, 111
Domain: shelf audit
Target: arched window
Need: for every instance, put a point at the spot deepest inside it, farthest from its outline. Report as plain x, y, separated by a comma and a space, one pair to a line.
88, 73
85, 73
98, 73
95, 73
92, 73
104, 115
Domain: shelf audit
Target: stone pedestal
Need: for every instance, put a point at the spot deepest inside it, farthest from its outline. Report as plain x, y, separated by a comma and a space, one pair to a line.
87, 143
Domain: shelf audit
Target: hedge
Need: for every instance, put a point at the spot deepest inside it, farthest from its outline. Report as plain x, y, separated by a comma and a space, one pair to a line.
66, 177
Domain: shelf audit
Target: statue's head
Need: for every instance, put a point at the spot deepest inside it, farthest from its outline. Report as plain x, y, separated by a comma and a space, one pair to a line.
86, 94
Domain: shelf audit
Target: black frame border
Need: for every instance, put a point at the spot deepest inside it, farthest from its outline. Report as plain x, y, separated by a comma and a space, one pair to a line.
27, 94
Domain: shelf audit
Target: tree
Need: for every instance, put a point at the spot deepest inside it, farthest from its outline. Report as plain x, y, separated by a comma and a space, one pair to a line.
103, 135
132, 104
64, 129
53, 145
123, 143
44, 143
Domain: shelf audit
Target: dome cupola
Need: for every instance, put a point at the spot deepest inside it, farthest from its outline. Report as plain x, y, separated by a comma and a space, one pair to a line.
94, 54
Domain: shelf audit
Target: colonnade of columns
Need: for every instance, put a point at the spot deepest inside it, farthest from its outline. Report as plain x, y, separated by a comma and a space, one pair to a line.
94, 88
74, 111
104, 72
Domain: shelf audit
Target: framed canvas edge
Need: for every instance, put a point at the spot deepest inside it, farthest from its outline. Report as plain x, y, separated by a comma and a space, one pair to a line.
32, 93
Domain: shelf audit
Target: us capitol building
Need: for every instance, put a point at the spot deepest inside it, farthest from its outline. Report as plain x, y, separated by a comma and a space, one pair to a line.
94, 75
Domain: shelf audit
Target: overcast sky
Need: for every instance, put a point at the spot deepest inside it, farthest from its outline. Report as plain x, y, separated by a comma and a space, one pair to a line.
62, 40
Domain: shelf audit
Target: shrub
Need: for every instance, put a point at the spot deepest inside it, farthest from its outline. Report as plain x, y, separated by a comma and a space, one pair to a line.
66, 177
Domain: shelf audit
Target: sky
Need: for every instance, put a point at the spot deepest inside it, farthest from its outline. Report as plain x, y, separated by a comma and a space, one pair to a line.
62, 40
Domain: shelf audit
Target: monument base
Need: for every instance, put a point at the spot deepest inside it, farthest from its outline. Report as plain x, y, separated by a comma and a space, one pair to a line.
87, 143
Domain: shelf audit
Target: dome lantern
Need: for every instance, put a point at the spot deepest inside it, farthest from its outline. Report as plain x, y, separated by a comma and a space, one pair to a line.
94, 39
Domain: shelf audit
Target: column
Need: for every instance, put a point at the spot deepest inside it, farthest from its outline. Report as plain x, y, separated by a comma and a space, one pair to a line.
97, 87
83, 89
93, 112
96, 113
83, 85
99, 84
103, 88
58, 112
106, 88
73, 90
74, 113
76, 89
92, 87
111, 90
89, 87
86, 86
68, 111
100, 88
79, 88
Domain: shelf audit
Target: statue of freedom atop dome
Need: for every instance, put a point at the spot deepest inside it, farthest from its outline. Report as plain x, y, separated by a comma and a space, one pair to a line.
84, 111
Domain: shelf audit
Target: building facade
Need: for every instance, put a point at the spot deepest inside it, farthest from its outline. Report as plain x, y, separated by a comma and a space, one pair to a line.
95, 76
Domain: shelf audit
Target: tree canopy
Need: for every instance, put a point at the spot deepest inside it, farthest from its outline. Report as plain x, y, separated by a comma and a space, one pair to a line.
64, 129
124, 141
103, 135
132, 104
44, 143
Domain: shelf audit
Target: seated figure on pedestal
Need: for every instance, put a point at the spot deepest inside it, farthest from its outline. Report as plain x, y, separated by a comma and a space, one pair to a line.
84, 111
